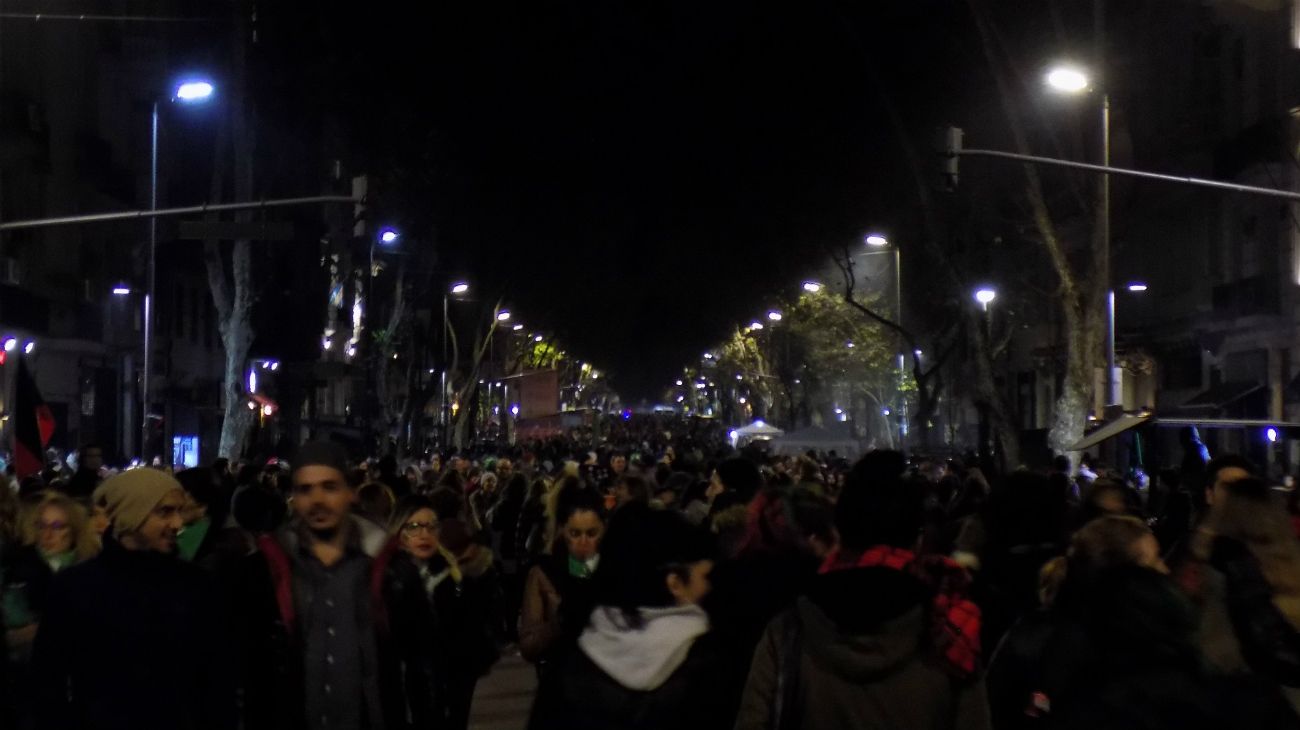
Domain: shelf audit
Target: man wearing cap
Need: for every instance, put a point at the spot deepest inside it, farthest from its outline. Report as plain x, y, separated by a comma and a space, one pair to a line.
135, 637
313, 659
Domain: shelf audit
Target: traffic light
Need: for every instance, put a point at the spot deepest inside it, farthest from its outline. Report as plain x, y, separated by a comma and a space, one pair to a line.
950, 150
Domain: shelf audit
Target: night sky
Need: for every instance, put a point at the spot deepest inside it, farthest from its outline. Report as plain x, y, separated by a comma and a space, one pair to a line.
637, 177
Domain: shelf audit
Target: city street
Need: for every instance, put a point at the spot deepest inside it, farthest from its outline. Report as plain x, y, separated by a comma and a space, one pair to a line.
504, 697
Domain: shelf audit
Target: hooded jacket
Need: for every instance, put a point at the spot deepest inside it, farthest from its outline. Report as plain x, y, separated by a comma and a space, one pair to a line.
656, 676
863, 662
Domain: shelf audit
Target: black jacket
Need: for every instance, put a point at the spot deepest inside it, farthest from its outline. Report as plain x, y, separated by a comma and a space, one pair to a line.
133, 640
589, 699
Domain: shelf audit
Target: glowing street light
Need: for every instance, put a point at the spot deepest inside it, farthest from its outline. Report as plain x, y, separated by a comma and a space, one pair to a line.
10, 344
774, 315
121, 290
1067, 79
194, 92
459, 287
1137, 287
503, 316
985, 297
388, 235
29, 348
877, 240
756, 325
517, 328
812, 287
539, 338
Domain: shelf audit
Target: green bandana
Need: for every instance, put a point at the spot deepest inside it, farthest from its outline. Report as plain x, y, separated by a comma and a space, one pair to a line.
189, 539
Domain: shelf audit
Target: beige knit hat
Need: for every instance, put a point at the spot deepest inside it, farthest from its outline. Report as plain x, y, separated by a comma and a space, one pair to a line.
130, 496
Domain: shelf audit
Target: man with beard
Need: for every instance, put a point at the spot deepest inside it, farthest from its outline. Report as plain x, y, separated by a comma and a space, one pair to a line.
313, 658
134, 637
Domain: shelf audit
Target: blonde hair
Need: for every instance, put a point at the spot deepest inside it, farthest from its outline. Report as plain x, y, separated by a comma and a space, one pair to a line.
84, 541
1106, 542
1245, 510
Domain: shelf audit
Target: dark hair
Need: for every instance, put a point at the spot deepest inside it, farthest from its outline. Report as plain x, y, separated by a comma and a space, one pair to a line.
199, 482
638, 488
642, 547
259, 510
571, 499
877, 506
742, 477
448, 503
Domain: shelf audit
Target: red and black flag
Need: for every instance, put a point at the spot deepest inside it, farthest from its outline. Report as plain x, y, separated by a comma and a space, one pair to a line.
33, 424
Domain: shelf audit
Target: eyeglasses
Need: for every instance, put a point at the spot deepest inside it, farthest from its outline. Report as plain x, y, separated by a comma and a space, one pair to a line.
51, 526
415, 528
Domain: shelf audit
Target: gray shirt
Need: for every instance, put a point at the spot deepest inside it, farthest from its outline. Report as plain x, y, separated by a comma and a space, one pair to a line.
340, 675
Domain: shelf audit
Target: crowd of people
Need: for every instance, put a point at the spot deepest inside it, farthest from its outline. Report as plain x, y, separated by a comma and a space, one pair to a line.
655, 580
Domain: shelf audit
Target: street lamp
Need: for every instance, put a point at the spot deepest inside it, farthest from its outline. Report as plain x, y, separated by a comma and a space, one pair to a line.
121, 290
985, 297
503, 315
1069, 79
10, 344
388, 235
1073, 80
812, 287
774, 315
877, 240
755, 325
191, 91
459, 287
1137, 287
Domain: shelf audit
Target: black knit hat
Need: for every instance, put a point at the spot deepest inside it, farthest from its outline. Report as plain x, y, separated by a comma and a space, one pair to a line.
322, 453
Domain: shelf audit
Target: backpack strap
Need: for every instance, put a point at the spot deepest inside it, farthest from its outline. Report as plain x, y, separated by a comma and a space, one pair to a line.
281, 579
786, 714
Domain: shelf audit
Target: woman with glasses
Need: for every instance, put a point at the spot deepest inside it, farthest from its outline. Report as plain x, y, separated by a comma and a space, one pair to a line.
56, 535
440, 588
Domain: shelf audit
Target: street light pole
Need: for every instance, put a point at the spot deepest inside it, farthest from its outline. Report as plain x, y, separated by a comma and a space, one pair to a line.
151, 281
1112, 397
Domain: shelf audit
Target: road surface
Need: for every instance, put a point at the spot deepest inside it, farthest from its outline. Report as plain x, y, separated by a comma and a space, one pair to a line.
504, 697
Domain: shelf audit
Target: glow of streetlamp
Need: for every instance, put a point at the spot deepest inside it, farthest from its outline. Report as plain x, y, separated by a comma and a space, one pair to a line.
539, 338
1067, 79
877, 240
985, 296
459, 287
194, 92
812, 287
756, 325
121, 290
11, 344
774, 315
1137, 286
29, 347
517, 327
503, 316
851, 345
388, 235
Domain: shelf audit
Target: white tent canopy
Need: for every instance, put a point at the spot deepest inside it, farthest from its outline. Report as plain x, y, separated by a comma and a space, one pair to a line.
819, 438
758, 430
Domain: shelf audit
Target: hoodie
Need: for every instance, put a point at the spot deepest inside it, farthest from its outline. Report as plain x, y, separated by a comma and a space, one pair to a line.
643, 658
864, 661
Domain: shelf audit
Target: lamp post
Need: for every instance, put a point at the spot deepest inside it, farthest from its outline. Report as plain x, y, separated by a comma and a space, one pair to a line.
189, 92
457, 289
1072, 80
985, 297
879, 241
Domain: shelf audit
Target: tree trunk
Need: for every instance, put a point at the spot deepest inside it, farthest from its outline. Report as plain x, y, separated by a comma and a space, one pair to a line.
233, 296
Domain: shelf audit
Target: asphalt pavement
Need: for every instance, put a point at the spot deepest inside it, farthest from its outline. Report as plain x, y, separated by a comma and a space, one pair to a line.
504, 697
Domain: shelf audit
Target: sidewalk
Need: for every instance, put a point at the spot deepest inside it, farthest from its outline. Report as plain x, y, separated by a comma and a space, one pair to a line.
504, 697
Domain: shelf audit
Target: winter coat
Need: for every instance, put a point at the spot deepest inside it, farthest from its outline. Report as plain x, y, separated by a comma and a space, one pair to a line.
1241, 630
271, 608
542, 632
655, 677
1136, 665
432, 638
747, 593
133, 639
854, 653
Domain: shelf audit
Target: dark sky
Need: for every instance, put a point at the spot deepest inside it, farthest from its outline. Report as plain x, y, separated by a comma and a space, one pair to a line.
639, 177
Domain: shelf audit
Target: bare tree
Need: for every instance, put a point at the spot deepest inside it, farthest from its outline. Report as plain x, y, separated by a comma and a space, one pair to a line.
232, 286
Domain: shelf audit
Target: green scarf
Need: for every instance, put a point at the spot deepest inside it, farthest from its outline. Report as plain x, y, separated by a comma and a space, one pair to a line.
59, 561
581, 568
189, 539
